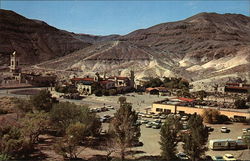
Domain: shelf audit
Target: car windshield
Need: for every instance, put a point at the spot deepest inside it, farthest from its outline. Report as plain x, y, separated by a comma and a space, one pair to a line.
219, 157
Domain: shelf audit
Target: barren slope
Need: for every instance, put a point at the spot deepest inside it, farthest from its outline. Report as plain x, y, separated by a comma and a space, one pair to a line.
34, 40
207, 46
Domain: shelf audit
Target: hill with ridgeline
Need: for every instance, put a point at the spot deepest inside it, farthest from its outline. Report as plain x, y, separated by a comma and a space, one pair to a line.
201, 48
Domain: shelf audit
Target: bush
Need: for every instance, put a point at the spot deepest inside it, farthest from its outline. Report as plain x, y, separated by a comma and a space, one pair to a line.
240, 103
43, 101
112, 92
13, 144
64, 113
34, 124
67, 147
211, 116
223, 119
24, 106
98, 92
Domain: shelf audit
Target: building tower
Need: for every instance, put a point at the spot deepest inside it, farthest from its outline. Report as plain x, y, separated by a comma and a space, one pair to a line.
132, 78
14, 63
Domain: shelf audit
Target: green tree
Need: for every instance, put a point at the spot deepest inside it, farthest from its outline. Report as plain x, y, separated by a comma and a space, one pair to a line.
43, 101
195, 141
112, 92
24, 106
240, 103
96, 88
154, 82
34, 124
13, 144
248, 98
211, 116
202, 94
122, 100
168, 139
246, 139
67, 146
98, 92
65, 113
124, 129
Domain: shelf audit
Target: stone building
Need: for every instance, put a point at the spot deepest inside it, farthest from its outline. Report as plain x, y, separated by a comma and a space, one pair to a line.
85, 85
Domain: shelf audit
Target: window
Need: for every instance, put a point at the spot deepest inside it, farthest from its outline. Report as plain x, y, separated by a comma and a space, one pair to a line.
158, 109
167, 111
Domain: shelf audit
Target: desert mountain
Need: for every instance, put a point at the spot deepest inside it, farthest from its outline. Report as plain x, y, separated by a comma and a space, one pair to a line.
201, 48
34, 40
204, 47
93, 39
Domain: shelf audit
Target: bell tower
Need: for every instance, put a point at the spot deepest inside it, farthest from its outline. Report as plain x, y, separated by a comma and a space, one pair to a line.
14, 63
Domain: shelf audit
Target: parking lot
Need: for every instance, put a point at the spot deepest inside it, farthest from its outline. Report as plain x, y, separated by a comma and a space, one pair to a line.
151, 137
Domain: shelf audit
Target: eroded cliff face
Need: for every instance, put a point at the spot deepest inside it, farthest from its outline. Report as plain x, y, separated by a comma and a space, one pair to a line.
35, 41
207, 46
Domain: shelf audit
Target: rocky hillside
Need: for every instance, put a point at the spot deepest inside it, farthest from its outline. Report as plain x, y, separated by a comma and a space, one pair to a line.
93, 39
204, 47
34, 40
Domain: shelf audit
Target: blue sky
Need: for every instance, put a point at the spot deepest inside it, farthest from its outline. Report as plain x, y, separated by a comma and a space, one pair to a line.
118, 17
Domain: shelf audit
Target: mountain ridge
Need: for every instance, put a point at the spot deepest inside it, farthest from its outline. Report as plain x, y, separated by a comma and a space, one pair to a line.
206, 45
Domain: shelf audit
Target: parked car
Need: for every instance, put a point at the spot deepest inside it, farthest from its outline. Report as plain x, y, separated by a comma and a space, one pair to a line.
245, 130
138, 122
225, 130
184, 118
144, 121
149, 125
218, 158
209, 128
103, 119
155, 117
157, 121
156, 126
184, 126
182, 156
110, 107
228, 157
163, 117
148, 116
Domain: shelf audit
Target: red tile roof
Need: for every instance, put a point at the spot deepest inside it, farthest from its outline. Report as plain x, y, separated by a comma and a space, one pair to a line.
82, 79
186, 99
233, 87
150, 89
105, 81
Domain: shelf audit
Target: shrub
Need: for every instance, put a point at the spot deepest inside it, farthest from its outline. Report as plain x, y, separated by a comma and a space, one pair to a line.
240, 103
67, 146
13, 144
211, 116
43, 101
64, 113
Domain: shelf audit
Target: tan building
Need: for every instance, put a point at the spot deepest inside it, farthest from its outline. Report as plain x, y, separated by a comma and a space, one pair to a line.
83, 85
176, 106
120, 81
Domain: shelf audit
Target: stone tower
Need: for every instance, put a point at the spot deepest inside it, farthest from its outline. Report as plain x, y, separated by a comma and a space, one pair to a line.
132, 78
14, 63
